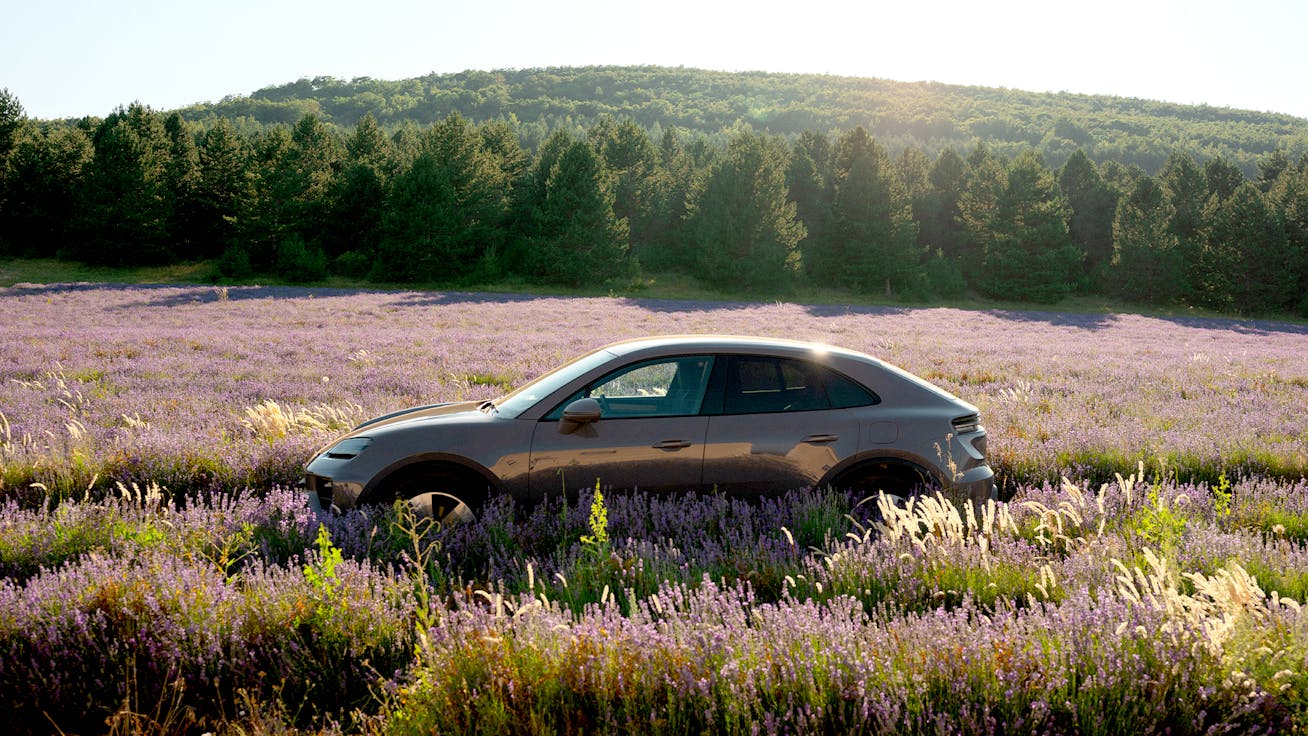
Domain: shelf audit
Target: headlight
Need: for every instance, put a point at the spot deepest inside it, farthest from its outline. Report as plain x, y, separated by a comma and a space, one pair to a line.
348, 449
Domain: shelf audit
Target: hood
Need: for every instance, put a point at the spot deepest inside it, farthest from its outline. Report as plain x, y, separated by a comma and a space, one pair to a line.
430, 411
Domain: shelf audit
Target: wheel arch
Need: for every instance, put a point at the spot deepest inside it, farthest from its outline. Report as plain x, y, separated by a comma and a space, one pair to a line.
410, 467
900, 466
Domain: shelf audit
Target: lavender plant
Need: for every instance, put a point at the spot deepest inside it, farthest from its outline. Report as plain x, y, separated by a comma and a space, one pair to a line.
157, 574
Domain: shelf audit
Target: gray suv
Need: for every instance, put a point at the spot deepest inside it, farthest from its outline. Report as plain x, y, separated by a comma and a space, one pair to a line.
738, 415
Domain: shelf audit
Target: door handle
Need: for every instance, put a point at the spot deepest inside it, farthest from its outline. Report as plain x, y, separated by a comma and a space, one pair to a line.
818, 439
672, 444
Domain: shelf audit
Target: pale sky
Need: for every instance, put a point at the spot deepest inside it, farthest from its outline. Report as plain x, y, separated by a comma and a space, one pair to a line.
86, 57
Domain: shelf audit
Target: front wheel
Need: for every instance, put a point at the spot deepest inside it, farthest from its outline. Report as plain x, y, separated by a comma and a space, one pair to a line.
444, 498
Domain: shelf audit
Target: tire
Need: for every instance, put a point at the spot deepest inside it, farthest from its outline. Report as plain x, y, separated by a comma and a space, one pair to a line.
899, 480
444, 497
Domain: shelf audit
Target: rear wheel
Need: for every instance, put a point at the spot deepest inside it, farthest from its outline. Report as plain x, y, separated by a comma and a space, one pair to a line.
899, 480
444, 497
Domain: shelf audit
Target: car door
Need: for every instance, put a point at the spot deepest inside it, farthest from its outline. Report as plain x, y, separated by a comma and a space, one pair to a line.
774, 430
649, 436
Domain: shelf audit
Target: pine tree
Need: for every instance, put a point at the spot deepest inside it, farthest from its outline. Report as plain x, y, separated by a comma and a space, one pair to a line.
1147, 265
1246, 261
182, 179
576, 238
356, 198
741, 226
1029, 255
125, 204
809, 178
224, 194
445, 212
42, 183
1093, 205
1289, 199
630, 157
872, 241
1187, 193
941, 226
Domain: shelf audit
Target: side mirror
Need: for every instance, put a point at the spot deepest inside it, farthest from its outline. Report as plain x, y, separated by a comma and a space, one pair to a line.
579, 413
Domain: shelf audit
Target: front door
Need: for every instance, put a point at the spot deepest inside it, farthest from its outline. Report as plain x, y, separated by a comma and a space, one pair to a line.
649, 437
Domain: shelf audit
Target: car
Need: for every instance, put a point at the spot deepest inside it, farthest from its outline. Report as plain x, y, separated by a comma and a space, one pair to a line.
745, 416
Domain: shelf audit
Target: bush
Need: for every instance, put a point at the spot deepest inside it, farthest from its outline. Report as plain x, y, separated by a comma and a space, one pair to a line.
299, 262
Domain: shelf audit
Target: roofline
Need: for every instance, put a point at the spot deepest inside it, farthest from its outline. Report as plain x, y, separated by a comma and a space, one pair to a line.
624, 347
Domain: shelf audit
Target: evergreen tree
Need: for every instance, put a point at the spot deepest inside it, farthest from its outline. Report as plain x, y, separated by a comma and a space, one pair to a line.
357, 195
272, 216
576, 238
1093, 205
671, 183
631, 158
1147, 265
872, 241
1187, 193
125, 204
1246, 259
181, 180
225, 189
978, 207
42, 182
315, 155
445, 212
809, 180
1289, 200
12, 119
1028, 255
1270, 168
1223, 177
941, 225
741, 226
913, 169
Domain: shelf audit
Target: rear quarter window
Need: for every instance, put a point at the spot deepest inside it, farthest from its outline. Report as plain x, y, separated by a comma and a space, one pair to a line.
844, 393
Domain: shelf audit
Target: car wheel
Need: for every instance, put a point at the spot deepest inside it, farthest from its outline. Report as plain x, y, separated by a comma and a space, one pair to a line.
899, 480
445, 498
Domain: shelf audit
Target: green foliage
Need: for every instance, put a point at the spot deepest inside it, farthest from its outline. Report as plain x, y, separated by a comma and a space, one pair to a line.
1022, 226
445, 211
598, 539
1147, 264
298, 262
462, 203
576, 238
740, 226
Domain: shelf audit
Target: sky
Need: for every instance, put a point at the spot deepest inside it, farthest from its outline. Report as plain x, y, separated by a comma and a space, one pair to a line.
87, 57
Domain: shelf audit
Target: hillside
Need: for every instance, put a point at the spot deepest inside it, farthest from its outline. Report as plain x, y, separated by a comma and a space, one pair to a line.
930, 116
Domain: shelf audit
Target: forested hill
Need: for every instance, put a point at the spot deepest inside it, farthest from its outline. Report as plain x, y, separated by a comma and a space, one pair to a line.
929, 116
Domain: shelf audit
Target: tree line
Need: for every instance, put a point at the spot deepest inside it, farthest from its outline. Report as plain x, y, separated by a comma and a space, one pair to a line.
459, 202
926, 115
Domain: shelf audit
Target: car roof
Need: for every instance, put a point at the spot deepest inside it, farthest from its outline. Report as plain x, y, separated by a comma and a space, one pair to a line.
665, 344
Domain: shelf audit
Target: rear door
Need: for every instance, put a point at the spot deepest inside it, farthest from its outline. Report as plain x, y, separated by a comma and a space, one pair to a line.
772, 428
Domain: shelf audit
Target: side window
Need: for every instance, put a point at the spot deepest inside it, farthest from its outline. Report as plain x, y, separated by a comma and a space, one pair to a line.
667, 387
767, 385
843, 393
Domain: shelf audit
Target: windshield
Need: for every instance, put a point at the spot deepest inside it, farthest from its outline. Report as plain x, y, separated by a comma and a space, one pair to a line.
526, 396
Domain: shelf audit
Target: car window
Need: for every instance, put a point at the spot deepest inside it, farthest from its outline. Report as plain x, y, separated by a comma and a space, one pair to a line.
526, 396
666, 387
759, 385
844, 393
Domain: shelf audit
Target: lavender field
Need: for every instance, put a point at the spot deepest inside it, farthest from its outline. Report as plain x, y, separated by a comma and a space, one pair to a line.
158, 576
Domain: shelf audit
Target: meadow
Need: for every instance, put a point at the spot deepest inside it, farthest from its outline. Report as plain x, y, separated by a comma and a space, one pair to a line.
1145, 572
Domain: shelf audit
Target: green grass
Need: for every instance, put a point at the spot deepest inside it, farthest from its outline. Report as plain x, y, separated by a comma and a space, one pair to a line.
651, 285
